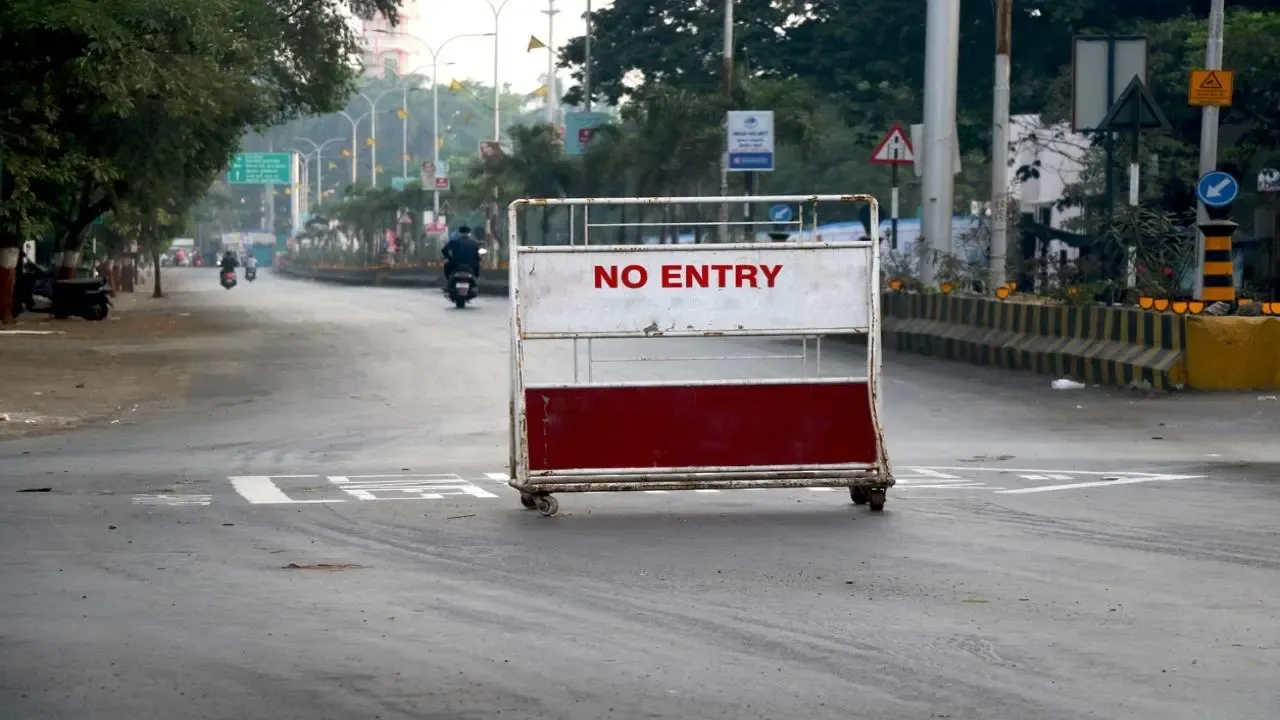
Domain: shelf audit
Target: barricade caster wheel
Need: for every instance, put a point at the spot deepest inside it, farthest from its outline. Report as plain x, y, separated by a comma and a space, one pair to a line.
876, 499
860, 495
547, 505
528, 501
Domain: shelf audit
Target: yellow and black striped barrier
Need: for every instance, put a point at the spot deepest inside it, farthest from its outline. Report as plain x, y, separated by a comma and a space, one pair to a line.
1096, 344
1219, 269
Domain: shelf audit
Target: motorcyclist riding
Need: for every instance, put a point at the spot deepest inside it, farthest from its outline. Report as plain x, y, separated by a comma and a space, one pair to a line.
229, 262
462, 251
251, 263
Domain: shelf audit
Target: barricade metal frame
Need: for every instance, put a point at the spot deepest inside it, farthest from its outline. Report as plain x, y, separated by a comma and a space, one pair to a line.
866, 480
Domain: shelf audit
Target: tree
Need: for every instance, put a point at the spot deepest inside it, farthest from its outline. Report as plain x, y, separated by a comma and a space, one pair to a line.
99, 75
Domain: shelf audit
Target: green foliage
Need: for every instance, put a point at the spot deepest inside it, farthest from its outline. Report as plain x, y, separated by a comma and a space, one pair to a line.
138, 103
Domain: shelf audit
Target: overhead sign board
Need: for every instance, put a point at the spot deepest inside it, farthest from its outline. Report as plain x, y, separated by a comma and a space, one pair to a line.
261, 169
580, 130
1212, 88
1091, 59
651, 288
894, 149
1217, 189
750, 140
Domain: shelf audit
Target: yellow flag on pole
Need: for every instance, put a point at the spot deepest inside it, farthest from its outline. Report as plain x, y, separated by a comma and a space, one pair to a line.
535, 44
402, 114
369, 142
454, 86
333, 165
346, 152
440, 143
540, 92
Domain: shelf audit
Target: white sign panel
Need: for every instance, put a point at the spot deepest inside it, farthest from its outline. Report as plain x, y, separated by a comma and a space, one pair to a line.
1089, 66
650, 291
750, 140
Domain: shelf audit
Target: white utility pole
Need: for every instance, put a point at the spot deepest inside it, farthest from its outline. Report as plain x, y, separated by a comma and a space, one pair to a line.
1000, 147
941, 57
355, 147
1209, 129
497, 93
551, 12
726, 78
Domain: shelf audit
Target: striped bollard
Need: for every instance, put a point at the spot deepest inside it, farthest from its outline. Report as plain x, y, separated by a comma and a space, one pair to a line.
1219, 269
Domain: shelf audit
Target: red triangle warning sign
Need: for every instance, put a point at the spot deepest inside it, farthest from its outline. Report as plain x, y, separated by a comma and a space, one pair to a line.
894, 149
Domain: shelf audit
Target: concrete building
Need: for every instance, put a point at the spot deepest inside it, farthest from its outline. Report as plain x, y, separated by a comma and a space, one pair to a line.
383, 51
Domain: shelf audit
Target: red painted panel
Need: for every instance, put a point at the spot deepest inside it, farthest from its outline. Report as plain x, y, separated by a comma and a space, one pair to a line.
685, 426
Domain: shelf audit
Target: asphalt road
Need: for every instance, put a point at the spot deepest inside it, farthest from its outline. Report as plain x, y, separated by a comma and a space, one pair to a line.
1050, 555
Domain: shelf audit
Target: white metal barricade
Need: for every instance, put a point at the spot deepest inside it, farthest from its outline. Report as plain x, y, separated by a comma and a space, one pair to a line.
803, 430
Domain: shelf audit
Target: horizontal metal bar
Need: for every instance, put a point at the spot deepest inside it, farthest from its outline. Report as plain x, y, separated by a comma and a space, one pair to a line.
697, 383
635, 334
690, 247
693, 200
809, 471
704, 357
678, 482
678, 225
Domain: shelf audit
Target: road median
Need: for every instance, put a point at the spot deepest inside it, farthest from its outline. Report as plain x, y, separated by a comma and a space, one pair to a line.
492, 282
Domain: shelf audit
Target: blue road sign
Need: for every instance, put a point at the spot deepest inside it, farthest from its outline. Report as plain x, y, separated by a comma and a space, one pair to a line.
780, 213
1217, 189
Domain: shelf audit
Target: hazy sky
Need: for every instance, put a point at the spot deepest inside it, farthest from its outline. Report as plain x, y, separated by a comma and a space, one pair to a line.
473, 57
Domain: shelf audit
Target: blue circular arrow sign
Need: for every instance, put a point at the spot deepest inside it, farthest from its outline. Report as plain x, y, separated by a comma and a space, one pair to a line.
1217, 189
780, 213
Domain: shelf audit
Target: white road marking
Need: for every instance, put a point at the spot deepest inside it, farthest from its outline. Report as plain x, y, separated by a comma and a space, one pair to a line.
406, 487
933, 473
260, 490
1083, 485
656, 492
173, 500
950, 486
707, 491
498, 477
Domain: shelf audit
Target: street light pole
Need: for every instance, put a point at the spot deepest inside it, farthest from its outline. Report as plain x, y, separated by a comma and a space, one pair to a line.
319, 149
497, 95
355, 149
435, 101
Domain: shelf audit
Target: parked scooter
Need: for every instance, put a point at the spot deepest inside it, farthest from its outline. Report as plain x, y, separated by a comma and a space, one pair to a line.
228, 279
40, 291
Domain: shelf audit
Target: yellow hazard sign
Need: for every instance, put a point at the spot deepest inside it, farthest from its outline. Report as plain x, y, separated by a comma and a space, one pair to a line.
1211, 87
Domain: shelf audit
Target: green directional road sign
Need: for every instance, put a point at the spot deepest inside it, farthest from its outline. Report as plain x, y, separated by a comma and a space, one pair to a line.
261, 169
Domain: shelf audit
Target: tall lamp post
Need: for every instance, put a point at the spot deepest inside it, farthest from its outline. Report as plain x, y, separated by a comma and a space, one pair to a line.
435, 100
373, 130
355, 148
497, 94
404, 117
318, 149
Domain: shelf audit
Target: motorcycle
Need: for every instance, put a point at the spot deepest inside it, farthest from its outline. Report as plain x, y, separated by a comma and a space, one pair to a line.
40, 291
461, 287
250, 274
228, 279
